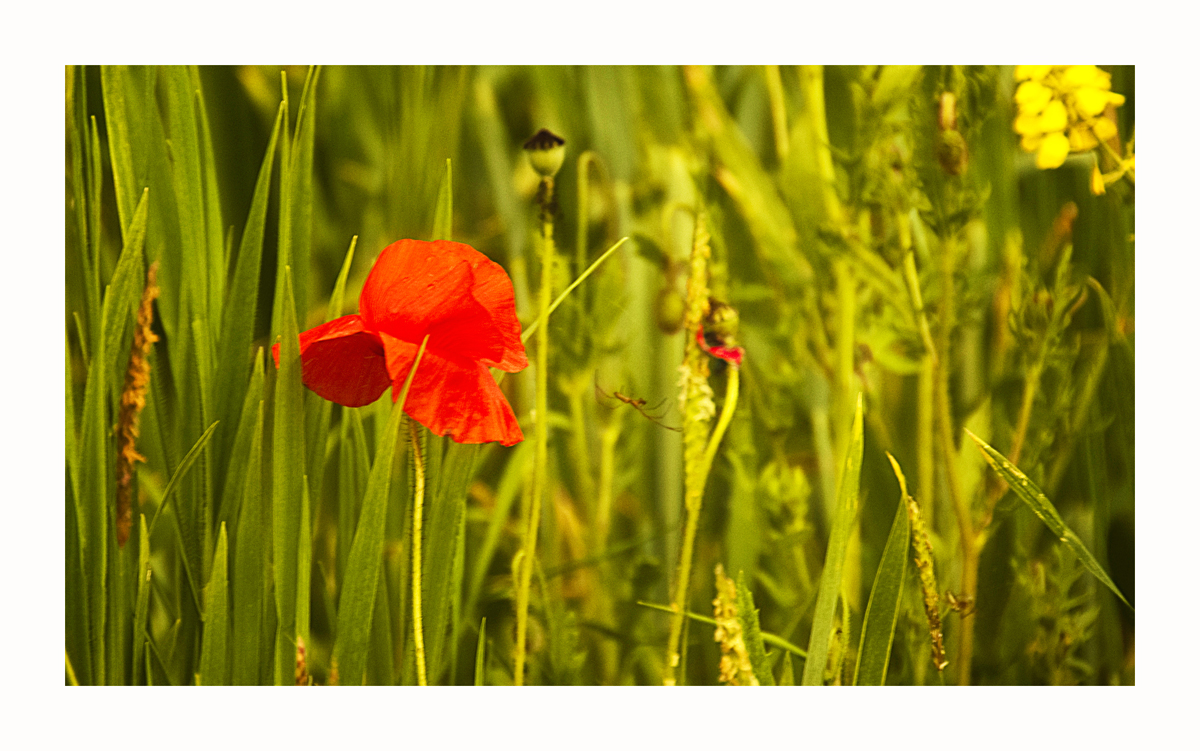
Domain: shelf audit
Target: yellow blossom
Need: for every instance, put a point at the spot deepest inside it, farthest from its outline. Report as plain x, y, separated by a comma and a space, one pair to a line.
1097, 181
1061, 109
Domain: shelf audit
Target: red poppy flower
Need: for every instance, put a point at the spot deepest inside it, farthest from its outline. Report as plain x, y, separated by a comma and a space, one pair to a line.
731, 355
464, 302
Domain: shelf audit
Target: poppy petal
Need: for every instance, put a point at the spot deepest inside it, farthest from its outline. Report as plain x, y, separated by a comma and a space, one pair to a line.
451, 395
450, 291
342, 362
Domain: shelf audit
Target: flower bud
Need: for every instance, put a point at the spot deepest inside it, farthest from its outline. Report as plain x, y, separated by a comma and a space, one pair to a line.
546, 152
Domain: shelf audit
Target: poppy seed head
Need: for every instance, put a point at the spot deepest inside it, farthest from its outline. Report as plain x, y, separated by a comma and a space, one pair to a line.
546, 152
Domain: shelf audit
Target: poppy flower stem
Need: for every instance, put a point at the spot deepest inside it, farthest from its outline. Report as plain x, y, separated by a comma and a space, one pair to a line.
414, 432
542, 411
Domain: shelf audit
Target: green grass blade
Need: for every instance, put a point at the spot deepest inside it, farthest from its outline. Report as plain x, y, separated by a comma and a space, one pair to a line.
357, 600
447, 523
141, 608
787, 676
751, 633
319, 410
301, 191
480, 656
214, 651
187, 179
883, 607
443, 215
354, 467
507, 492
123, 296
72, 442
93, 503
203, 386
287, 486
767, 637
114, 82
1037, 501
76, 610
217, 261
181, 471
237, 326
240, 457
251, 569
531, 328
831, 574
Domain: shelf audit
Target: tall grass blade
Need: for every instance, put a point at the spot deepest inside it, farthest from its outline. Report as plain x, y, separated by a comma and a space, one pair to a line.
92, 506
480, 656
831, 574
883, 607
444, 531
141, 608
1037, 501
357, 601
768, 638
251, 561
76, 610
241, 456
287, 486
237, 325
214, 652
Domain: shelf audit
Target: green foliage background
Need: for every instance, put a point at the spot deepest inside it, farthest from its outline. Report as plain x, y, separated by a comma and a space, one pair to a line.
269, 516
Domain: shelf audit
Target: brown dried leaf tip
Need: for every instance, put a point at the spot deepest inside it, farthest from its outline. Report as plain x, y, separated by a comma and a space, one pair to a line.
302, 678
133, 398
736, 669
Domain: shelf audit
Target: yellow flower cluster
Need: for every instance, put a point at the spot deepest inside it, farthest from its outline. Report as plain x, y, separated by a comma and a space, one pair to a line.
1061, 110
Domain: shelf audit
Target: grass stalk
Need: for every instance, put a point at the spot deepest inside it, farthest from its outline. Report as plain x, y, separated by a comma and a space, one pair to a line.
542, 413
414, 433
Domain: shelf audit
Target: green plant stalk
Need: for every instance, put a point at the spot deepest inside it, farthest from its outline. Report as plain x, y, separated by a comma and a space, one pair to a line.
604, 491
843, 420
778, 110
925, 381
414, 433
967, 536
697, 411
529, 548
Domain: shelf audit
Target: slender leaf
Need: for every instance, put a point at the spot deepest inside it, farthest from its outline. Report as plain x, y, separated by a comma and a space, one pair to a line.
214, 654
237, 326
287, 486
1037, 501
751, 633
831, 574
92, 505
447, 523
767, 637
141, 609
240, 457
787, 677
357, 601
251, 556
480, 656
883, 608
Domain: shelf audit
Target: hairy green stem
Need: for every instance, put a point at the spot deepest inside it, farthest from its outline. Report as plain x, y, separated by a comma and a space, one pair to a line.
542, 412
414, 433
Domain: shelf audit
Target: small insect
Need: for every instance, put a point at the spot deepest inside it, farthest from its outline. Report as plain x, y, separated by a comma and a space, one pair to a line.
964, 606
639, 404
